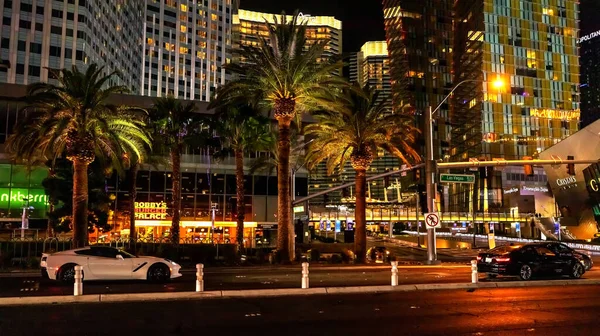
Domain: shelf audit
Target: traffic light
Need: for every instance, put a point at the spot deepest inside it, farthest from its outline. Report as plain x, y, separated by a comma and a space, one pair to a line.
386, 181
345, 193
417, 175
570, 166
528, 168
325, 199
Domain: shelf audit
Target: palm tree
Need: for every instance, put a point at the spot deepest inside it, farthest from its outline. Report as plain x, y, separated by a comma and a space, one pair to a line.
74, 120
151, 156
176, 125
241, 130
355, 133
288, 76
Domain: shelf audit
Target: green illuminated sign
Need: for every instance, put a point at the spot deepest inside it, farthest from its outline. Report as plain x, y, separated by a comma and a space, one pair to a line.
457, 178
17, 197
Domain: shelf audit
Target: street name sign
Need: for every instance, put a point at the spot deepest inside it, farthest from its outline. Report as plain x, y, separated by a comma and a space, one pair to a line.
457, 178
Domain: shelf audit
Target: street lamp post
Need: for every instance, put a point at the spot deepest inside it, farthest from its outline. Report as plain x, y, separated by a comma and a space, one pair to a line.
431, 167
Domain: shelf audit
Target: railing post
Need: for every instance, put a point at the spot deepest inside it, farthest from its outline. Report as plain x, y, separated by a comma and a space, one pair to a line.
78, 285
474, 276
199, 278
305, 275
394, 273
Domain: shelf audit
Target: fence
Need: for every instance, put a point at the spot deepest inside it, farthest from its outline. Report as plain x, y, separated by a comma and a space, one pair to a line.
27, 252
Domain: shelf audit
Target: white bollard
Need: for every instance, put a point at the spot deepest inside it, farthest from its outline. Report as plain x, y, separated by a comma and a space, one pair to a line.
199, 278
304, 275
394, 273
474, 276
78, 285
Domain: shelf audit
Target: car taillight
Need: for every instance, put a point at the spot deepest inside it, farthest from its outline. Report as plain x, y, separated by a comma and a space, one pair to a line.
502, 259
478, 258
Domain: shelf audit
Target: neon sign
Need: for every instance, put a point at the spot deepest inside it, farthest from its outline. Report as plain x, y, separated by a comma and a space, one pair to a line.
566, 181
18, 197
151, 210
588, 36
555, 114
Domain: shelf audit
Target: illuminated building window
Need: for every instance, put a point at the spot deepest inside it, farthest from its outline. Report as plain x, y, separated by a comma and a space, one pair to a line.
548, 11
183, 50
183, 8
183, 29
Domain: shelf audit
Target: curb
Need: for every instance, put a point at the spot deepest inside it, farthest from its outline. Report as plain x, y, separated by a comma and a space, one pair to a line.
139, 297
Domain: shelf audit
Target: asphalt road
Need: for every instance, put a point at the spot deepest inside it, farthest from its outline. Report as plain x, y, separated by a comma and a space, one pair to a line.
546, 311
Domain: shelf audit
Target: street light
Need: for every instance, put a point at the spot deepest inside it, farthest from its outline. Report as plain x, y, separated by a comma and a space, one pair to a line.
430, 169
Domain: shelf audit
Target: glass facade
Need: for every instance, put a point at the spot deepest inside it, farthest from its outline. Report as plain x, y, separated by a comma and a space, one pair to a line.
187, 43
55, 34
531, 47
419, 37
249, 27
17, 184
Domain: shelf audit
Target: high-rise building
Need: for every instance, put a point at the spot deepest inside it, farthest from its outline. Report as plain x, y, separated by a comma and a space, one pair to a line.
53, 34
532, 49
372, 67
589, 51
419, 38
250, 26
369, 66
187, 44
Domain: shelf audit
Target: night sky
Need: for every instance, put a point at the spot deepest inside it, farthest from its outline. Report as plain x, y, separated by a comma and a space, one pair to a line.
360, 23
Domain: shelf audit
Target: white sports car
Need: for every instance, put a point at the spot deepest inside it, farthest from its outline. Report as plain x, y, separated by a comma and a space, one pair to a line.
106, 263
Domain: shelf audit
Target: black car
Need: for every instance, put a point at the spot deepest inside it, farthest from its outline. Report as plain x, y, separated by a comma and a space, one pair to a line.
527, 261
564, 250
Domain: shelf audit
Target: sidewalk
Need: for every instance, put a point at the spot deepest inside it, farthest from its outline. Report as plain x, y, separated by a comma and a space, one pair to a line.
172, 296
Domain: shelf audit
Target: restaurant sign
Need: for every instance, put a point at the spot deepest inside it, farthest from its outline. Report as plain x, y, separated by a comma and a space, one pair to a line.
151, 210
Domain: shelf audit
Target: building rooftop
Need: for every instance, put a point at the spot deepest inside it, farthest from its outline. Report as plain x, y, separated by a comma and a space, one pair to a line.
246, 15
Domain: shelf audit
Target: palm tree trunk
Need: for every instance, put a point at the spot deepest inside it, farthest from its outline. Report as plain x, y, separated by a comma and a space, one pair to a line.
360, 233
241, 204
80, 203
283, 191
176, 168
133, 171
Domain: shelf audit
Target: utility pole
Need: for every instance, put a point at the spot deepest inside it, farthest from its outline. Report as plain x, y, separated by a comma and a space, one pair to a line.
430, 188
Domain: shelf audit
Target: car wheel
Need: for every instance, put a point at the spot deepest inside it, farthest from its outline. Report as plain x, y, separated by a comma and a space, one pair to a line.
525, 272
66, 274
159, 273
577, 270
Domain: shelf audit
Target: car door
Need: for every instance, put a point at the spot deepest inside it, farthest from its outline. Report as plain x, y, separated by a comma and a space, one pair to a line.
105, 265
551, 263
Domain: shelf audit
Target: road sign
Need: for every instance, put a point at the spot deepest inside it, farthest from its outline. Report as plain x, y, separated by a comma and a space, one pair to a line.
457, 178
432, 220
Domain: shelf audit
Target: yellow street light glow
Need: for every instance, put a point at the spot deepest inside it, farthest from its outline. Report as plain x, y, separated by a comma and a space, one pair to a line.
498, 83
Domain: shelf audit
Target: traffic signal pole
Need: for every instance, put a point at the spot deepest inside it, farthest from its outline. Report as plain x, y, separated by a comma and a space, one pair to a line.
430, 185
503, 163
